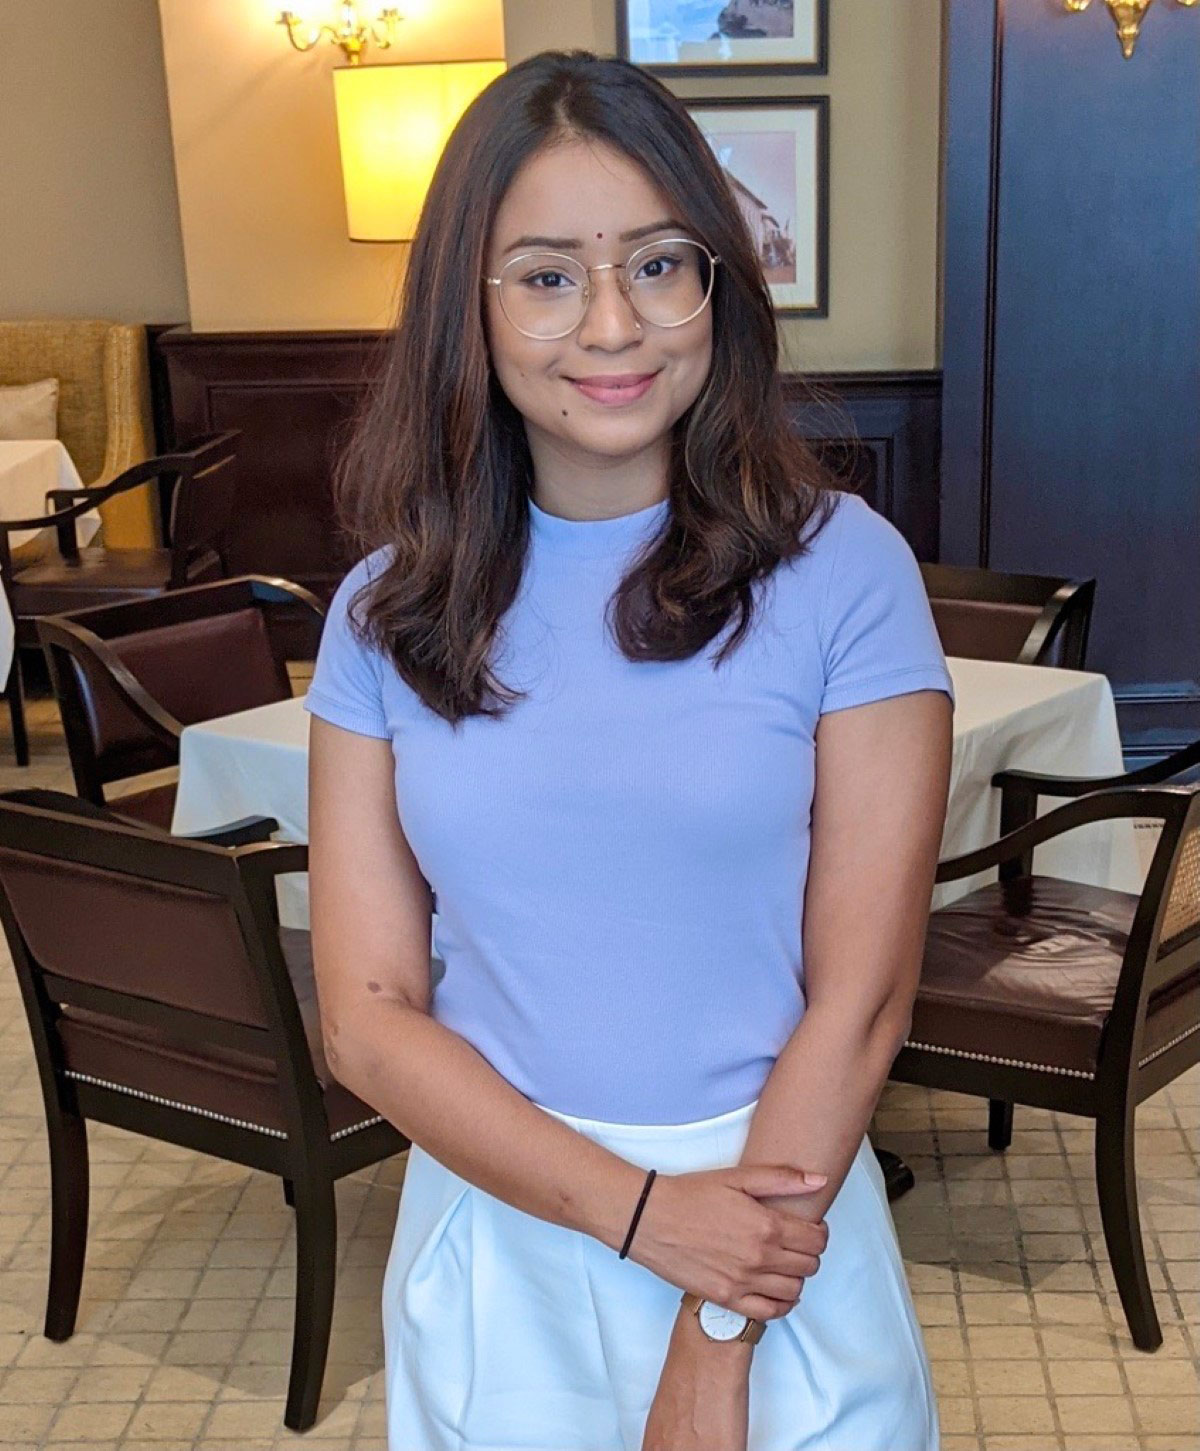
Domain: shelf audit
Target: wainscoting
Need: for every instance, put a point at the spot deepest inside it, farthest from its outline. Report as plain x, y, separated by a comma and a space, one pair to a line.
294, 394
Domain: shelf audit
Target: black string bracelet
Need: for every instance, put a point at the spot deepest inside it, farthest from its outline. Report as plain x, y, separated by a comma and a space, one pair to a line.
637, 1213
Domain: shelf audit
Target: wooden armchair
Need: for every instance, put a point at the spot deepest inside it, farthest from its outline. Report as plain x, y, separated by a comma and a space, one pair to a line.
1033, 619
163, 997
129, 677
1047, 992
74, 578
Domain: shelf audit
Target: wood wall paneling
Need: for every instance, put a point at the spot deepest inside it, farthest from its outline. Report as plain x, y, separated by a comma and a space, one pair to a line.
293, 394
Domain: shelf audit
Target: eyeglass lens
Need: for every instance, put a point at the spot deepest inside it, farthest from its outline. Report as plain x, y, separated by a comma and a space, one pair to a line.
545, 295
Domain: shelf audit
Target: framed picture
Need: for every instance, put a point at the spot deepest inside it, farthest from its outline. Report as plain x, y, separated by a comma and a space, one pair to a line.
725, 37
775, 152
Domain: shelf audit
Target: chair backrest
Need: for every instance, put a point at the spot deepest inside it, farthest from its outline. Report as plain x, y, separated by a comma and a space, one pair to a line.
983, 614
129, 677
142, 931
202, 502
90, 358
1161, 970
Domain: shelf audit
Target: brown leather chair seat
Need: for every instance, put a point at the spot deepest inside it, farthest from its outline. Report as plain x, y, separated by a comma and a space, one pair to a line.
217, 1080
100, 577
1026, 971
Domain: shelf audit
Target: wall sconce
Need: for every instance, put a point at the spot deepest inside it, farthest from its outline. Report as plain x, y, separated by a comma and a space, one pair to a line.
393, 121
351, 32
1127, 17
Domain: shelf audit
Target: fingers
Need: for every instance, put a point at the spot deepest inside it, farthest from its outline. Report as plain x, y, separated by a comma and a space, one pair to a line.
804, 1237
759, 1307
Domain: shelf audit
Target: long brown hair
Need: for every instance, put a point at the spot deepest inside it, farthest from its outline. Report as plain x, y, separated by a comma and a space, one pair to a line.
438, 470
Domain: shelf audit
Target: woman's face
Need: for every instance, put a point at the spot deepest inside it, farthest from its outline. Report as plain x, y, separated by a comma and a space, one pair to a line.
612, 389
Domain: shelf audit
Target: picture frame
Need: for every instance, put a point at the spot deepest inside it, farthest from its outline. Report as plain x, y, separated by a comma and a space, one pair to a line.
668, 37
775, 152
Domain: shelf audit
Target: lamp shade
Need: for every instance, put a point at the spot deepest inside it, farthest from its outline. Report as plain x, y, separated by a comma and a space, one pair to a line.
393, 121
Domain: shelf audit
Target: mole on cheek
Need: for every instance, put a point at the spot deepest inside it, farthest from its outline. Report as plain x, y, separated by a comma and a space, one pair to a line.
564, 413
599, 236
373, 987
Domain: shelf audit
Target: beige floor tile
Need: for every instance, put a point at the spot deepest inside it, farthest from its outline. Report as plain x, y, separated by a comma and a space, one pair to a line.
1016, 1415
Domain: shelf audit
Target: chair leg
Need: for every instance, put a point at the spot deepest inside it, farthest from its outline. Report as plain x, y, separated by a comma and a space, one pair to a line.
69, 1221
1116, 1181
1000, 1124
316, 1256
16, 710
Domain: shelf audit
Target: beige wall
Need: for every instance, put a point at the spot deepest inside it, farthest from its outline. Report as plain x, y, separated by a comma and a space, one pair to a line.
89, 224
884, 59
260, 215
260, 189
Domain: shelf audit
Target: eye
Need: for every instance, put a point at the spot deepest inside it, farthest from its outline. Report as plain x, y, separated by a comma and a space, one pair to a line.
548, 279
661, 265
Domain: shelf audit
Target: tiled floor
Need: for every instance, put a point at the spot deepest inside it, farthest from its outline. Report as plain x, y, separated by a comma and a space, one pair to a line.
184, 1332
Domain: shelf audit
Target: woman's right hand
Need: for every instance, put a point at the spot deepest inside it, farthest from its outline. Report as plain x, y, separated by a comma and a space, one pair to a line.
706, 1232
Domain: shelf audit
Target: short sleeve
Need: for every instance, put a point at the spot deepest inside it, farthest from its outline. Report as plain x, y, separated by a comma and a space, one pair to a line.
347, 683
878, 636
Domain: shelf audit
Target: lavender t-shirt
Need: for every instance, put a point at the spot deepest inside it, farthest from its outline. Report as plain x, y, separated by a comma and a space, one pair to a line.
620, 862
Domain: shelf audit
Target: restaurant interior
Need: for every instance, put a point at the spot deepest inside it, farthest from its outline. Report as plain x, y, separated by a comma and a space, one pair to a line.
980, 224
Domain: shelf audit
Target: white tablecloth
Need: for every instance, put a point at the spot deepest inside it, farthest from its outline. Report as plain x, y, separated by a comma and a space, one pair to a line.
1063, 721
29, 469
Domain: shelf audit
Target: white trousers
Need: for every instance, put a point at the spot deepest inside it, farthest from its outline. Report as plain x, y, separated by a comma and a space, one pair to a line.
503, 1332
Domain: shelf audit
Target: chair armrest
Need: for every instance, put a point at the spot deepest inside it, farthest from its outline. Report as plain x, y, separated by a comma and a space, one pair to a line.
1036, 784
248, 830
271, 859
1143, 802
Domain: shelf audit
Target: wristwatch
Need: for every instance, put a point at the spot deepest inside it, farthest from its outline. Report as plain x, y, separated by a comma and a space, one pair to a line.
718, 1323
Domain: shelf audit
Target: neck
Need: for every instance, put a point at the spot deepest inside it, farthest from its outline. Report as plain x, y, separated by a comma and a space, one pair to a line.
574, 486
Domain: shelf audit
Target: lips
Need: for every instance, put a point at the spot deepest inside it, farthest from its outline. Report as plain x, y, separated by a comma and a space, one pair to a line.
614, 389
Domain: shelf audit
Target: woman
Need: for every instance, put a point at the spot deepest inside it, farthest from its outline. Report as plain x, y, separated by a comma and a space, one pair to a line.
663, 726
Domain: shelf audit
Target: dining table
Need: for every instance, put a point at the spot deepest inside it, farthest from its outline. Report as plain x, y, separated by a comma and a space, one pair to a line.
29, 469
1006, 715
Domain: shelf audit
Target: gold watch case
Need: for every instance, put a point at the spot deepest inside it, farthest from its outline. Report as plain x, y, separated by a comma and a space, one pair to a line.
751, 1334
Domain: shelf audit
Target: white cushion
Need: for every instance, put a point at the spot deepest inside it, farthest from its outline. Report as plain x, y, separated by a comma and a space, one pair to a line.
29, 410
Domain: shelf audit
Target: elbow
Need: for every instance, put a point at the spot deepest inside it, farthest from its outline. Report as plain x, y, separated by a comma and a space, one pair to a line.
345, 1050
891, 1026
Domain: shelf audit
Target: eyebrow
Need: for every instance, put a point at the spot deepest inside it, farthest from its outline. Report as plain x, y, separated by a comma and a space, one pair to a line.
573, 244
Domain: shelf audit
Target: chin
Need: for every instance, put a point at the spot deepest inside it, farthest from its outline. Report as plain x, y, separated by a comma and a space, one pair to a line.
615, 438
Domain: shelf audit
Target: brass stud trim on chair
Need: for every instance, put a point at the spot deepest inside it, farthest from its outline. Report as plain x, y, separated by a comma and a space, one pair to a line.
237, 1123
367, 1123
1007, 1062
1166, 1047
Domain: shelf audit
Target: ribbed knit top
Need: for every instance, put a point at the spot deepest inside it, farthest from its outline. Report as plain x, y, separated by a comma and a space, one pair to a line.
620, 861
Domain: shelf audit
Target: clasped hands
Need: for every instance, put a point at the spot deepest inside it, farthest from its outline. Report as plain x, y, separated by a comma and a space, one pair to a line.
708, 1232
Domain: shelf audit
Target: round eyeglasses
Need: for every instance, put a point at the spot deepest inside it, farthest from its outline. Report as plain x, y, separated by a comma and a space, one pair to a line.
545, 294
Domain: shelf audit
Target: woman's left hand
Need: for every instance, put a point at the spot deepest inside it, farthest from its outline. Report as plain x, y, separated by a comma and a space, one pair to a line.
703, 1398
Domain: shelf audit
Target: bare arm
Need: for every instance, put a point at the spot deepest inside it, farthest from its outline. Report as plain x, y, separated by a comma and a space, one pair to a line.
371, 921
882, 778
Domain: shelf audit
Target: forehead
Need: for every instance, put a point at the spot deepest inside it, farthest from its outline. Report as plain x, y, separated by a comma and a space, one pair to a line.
578, 189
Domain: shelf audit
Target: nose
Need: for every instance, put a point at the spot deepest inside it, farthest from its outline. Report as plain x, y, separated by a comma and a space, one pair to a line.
609, 322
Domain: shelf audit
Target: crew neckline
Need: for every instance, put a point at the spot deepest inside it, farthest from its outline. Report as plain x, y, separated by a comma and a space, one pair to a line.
595, 538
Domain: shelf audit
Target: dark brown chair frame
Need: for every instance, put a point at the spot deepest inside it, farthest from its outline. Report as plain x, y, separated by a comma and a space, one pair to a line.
205, 456
1066, 606
1123, 1078
84, 635
306, 1157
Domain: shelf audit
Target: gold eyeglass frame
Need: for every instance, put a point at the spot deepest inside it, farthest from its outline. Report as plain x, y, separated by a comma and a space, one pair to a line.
622, 282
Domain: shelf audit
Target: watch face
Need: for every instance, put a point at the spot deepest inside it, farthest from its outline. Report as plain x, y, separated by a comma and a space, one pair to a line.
718, 1323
